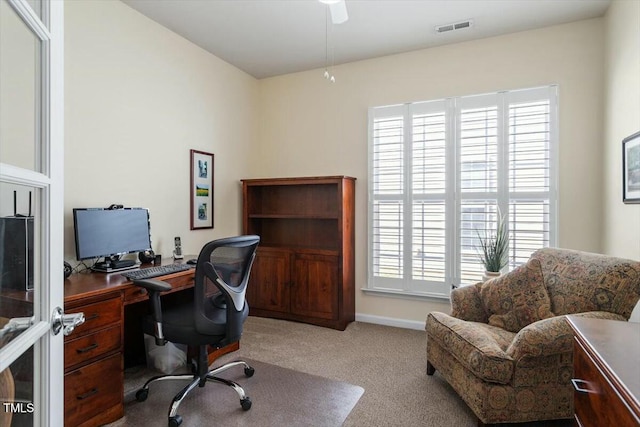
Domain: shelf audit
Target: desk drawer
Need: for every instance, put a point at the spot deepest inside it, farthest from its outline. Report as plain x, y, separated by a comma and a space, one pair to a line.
97, 315
179, 282
94, 389
597, 403
135, 293
87, 347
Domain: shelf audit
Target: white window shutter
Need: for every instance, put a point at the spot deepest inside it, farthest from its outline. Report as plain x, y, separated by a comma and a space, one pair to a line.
442, 173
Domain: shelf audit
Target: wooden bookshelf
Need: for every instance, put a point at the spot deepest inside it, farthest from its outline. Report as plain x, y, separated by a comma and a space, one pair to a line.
304, 268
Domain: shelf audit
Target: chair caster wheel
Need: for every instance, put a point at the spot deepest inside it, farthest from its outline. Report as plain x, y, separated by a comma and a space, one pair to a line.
245, 403
142, 394
248, 372
175, 421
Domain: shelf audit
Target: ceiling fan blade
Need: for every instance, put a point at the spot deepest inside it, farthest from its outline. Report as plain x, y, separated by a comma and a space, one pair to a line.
338, 12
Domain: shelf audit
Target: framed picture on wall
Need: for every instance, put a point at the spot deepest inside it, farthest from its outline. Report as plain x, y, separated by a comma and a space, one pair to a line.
631, 168
201, 190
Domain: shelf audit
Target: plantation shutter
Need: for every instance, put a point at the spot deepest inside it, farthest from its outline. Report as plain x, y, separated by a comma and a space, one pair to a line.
429, 204
532, 194
479, 158
387, 197
442, 174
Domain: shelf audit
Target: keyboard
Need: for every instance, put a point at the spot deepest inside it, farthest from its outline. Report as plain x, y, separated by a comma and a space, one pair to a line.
162, 270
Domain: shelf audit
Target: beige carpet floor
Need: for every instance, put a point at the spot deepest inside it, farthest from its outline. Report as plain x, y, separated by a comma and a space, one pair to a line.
388, 363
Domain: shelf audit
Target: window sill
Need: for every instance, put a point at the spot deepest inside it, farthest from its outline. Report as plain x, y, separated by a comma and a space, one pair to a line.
406, 294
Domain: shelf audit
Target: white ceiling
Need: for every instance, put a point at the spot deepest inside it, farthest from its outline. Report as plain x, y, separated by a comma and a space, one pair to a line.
272, 37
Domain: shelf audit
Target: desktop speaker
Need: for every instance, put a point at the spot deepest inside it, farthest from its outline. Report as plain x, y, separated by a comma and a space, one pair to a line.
146, 257
16, 257
67, 270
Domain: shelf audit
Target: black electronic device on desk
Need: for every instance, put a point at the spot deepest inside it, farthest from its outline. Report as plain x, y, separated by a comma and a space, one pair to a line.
110, 233
16, 249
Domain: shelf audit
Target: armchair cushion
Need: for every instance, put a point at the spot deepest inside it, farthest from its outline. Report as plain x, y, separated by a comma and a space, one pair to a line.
467, 305
581, 281
517, 299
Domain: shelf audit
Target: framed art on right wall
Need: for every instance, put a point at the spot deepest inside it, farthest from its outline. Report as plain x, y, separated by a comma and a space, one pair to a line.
631, 169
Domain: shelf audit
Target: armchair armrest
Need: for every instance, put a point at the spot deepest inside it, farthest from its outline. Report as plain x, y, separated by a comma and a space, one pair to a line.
550, 336
542, 338
155, 287
467, 305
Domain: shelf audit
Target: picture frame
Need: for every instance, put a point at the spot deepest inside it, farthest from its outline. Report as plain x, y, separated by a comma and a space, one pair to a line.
631, 168
201, 189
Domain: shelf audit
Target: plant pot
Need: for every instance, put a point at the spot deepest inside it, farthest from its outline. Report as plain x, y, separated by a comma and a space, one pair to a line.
488, 275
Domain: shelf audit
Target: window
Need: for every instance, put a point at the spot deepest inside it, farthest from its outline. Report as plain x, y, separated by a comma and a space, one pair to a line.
442, 172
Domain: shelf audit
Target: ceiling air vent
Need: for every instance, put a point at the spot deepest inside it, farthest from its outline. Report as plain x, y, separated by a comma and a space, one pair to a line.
455, 26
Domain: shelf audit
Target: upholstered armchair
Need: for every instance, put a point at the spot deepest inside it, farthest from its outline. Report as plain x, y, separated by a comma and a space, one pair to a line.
507, 349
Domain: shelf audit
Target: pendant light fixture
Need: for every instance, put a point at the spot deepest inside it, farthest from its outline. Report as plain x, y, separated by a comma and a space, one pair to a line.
338, 10
327, 75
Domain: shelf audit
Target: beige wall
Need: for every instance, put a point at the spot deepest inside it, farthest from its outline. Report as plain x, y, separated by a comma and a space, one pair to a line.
622, 83
137, 99
311, 127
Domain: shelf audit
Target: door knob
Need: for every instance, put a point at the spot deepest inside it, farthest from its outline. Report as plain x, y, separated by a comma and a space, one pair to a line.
65, 322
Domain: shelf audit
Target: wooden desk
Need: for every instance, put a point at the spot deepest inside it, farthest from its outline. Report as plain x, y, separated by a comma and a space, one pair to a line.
95, 351
606, 372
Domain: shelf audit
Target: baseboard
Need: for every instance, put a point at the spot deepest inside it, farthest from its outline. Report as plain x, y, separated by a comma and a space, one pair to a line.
390, 321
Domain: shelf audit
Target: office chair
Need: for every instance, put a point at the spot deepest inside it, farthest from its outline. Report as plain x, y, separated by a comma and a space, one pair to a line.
216, 320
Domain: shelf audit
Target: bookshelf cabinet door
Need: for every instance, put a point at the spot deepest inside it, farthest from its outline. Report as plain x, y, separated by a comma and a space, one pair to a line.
269, 283
314, 291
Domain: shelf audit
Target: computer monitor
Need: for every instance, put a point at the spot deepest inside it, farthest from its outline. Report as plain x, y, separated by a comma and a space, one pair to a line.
109, 233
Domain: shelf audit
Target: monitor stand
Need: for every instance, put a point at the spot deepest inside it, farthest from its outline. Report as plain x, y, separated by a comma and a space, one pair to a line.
110, 266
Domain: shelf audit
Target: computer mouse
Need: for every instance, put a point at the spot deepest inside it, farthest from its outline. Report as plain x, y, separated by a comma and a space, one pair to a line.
192, 261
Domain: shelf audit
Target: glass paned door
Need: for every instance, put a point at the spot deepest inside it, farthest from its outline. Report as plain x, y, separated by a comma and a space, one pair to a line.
31, 211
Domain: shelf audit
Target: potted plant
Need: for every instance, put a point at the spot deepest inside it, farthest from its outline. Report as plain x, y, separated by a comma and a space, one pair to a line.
494, 249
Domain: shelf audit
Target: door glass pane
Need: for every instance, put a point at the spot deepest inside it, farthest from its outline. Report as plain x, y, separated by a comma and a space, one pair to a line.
38, 8
18, 258
20, 95
16, 392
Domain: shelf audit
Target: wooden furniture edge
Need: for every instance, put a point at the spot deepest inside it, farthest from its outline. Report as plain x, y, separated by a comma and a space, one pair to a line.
297, 180
628, 398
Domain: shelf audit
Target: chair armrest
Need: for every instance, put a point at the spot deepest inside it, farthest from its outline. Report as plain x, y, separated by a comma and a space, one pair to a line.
472, 344
550, 336
542, 338
155, 287
467, 305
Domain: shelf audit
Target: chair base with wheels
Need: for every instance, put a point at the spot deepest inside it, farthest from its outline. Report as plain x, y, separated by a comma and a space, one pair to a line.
199, 379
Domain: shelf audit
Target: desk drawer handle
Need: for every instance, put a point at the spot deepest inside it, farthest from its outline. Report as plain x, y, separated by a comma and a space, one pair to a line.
88, 394
92, 317
581, 386
87, 348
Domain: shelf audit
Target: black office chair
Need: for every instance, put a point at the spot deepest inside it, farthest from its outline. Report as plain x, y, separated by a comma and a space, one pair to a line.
215, 320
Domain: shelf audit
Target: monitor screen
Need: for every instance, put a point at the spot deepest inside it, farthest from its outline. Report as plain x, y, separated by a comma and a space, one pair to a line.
107, 232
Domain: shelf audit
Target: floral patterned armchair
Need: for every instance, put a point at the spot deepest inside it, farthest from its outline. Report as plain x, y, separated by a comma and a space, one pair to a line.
507, 349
